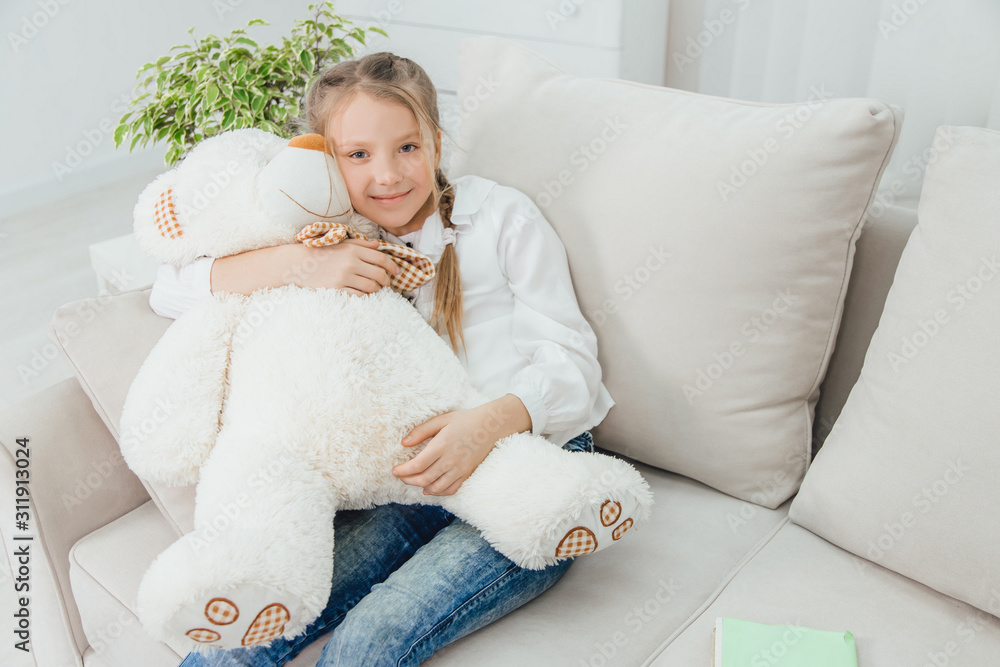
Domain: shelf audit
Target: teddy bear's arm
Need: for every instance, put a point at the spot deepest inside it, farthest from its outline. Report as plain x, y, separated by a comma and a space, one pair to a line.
171, 415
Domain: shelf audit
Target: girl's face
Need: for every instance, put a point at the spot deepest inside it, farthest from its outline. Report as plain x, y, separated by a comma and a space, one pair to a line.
379, 152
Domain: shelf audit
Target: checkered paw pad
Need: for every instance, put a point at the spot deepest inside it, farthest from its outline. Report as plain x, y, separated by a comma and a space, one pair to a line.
415, 269
577, 542
221, 611
621, 529
202, 635
268, 625
166, 216
610, 511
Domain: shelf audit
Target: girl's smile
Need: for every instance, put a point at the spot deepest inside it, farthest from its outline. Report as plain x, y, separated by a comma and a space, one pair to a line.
390, 199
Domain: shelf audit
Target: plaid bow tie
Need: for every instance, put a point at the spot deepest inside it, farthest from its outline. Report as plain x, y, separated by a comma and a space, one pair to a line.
415, 269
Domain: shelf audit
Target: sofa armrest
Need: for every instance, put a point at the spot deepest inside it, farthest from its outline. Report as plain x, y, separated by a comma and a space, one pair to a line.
78, 482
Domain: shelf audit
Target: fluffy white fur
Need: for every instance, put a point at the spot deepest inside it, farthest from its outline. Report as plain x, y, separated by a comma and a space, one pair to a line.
290, 404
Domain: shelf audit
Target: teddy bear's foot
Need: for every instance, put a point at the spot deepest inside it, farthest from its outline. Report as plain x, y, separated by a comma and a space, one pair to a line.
247, 615
599, 526
538, 504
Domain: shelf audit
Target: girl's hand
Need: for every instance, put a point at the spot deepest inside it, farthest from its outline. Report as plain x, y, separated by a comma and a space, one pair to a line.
459, 442
354, 265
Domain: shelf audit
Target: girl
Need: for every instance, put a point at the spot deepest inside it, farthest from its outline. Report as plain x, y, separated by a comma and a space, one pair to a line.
410, 579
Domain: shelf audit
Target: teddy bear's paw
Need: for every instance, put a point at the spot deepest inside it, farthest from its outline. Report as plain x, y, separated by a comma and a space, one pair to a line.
248, 615
599, 526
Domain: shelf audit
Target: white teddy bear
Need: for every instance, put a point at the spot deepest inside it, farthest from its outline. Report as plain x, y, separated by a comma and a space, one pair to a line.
290, 405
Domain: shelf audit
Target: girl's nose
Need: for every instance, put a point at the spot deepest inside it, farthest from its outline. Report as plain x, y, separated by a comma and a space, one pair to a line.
387, 172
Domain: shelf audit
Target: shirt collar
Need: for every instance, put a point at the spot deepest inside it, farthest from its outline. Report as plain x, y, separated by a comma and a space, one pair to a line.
470, 193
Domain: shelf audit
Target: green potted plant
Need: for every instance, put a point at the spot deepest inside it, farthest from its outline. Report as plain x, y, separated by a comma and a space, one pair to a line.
216, 84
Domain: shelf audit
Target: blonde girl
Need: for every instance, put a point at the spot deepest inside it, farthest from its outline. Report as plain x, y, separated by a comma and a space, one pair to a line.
410, 579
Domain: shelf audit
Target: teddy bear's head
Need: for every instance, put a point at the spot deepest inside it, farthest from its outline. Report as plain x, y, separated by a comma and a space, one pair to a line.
242, 190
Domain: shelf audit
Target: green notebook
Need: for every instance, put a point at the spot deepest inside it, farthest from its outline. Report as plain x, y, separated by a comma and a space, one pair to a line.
741, 643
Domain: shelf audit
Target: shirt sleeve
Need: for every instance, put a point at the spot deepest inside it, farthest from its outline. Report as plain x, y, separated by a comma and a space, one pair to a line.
561, 385
177, 290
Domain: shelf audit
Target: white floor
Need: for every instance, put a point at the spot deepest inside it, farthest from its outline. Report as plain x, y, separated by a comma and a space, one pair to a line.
44, 263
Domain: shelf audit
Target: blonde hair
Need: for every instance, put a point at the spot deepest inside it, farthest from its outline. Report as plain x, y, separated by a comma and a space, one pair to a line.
386, 76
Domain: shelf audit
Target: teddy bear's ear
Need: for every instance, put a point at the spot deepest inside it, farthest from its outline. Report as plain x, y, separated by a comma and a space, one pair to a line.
313, 142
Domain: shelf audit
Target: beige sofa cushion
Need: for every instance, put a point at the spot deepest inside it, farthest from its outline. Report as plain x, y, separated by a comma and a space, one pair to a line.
105, 340
800, 579
710, 241
878, 252
623, 600
908, 476
77, 480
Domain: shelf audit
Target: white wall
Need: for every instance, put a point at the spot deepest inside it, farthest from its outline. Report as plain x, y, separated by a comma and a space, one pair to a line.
938, 59
67, 67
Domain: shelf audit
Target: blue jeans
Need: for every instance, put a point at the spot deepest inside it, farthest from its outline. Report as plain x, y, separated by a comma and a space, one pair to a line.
408, 579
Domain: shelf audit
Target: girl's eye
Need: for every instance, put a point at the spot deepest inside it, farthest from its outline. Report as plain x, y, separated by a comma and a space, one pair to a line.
413, 146
356, 153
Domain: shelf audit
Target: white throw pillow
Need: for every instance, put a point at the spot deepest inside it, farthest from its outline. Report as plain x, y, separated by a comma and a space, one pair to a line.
710, 243
909, 476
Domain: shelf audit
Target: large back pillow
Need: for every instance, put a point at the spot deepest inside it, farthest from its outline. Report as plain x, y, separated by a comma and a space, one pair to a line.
710, 243
908, 477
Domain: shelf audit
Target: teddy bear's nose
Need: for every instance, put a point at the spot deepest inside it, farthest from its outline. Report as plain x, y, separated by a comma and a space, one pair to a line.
314, 142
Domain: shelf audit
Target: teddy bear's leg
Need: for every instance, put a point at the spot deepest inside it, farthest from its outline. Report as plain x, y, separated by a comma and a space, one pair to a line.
259, 563
537, 503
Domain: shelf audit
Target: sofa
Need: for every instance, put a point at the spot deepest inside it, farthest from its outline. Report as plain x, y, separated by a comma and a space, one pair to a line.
804, 373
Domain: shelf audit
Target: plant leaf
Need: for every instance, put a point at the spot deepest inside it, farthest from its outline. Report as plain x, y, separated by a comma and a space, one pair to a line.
308, 60
120, 134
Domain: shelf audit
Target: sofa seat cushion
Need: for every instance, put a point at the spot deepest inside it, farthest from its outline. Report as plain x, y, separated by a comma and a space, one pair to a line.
798, 578
627, 598
106, 568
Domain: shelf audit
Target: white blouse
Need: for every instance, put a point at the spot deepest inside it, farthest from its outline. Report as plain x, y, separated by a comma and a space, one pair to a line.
524, 332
